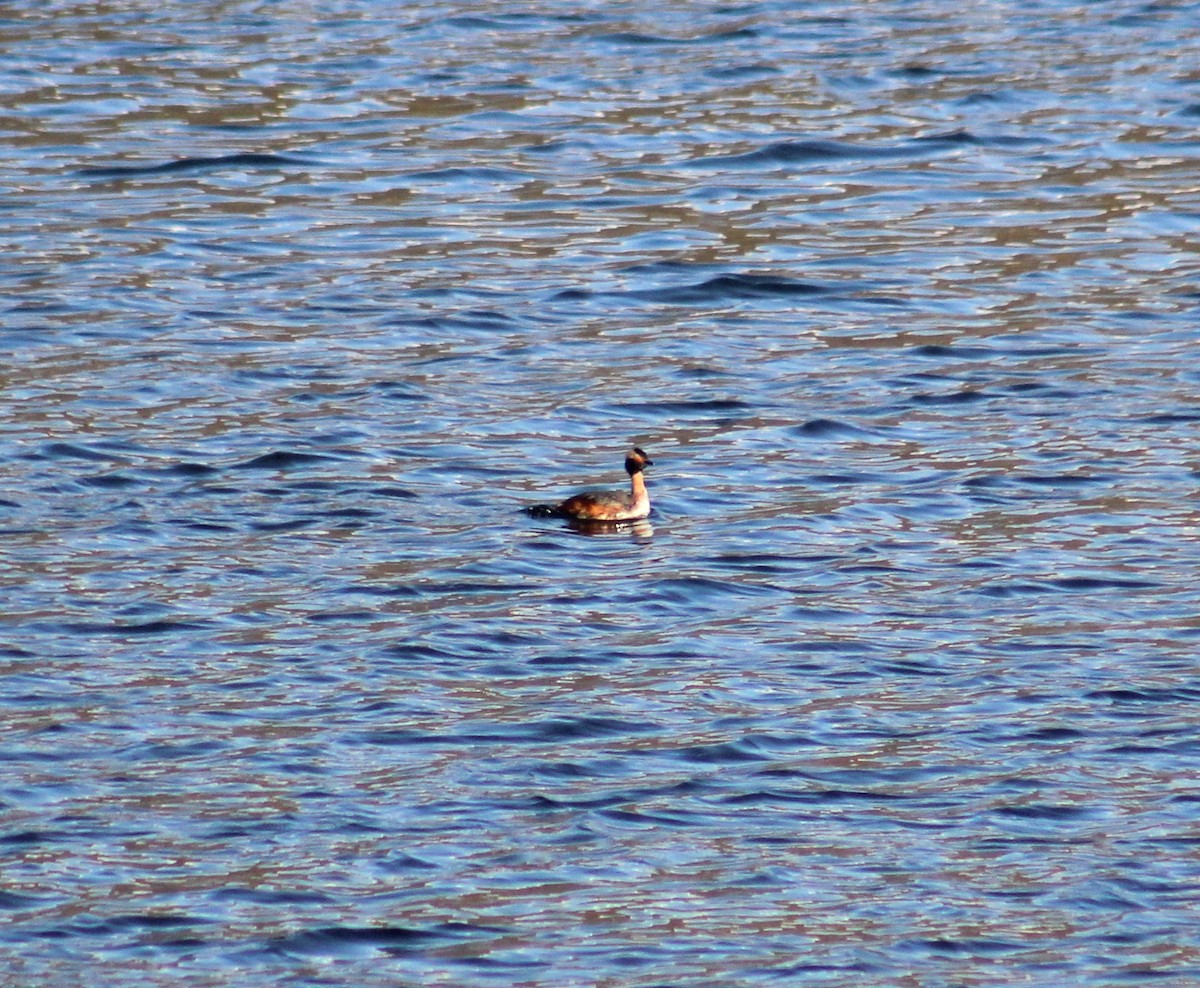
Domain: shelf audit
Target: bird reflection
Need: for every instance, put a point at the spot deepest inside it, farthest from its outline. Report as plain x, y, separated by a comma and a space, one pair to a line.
584, 526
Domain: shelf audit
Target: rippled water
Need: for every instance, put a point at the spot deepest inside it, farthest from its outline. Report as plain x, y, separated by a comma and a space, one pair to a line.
302, 303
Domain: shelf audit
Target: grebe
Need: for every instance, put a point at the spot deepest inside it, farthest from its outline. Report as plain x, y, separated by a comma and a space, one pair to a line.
606, 505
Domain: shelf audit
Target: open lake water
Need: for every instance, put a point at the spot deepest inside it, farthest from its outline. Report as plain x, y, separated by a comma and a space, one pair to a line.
304, 302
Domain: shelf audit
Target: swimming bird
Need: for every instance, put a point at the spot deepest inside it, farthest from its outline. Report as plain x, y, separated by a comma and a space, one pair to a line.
606, 505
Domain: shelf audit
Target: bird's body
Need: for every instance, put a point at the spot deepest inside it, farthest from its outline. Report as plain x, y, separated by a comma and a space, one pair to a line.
606, 505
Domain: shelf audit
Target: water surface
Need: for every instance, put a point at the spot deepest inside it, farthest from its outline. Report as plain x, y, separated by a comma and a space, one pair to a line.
303, 303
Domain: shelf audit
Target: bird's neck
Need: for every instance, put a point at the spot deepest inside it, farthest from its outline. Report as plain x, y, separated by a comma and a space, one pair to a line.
637, 486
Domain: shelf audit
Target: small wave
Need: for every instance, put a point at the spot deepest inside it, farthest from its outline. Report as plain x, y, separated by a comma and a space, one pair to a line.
281, 460
1070, 584
730, 286
639, 39
823, 428
459, 174
848, 479
820, 150
1085, 583
289, 525
723, 753
1146, 695
1171, 418
957, 351
713, 291
795, 153
965, 396
143, 628
72, 451
753, 70
15, 901
193, 164
109, 481
335, 941
270, 896
191, 469
1061, 479
1042, 811
547, 730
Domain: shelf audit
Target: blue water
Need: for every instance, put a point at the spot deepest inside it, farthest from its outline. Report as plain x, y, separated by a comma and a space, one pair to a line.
302, 304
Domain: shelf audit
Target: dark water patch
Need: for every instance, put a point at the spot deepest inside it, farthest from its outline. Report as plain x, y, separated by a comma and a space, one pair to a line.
283, 460
334, 617
348, 941
572, 660
722, 753
753, 70
499, 21
553, 804
211, 527
913, 667
473, 587
120, 630
1063, 479
718, 290
702, 407
1042, 390
31, 837
685, 589
109, 481
219, 490
1055, 734
773, 563
191, 470
794, 153
195, 164
394, 493
353, 514
286, 525
791, 153
1073, 584
130, 924
1144, 694
399, 391
637, 39
987, 482
1088, 583
422, 653
847, 479
730, 287
968, 946
459, 174
826, 429
403, 863
167, 752
810, 797
918, 70
544, 731
1049, 812
702, 373
16, 902
74, 451
963, 396
834, 647
955, 351
643, 819
375, 590
814, 971
1171, 418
